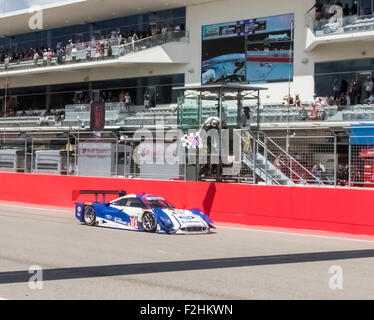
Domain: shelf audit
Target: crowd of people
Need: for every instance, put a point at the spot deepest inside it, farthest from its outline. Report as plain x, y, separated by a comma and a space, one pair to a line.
322, 9
101, 45
343, 94
346, 93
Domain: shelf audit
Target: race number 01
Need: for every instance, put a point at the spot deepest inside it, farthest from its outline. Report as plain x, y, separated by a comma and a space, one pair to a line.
134, 222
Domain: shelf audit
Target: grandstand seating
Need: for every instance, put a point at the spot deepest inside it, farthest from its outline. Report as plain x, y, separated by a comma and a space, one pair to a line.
167, 114
27, 121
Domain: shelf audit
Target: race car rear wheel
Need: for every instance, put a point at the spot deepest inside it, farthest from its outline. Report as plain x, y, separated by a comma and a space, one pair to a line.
89, 216
149, 222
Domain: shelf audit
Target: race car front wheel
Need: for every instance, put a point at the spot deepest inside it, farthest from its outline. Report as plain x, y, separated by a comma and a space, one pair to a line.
149, 222
89, 216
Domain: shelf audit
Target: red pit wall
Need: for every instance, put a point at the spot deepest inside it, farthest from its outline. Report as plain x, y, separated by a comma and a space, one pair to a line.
327, 209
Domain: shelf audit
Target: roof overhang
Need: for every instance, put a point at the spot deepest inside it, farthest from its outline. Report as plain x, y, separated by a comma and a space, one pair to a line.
72, 12
313, 41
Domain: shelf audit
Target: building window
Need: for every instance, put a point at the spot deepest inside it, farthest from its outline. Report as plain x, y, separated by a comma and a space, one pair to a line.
351, 78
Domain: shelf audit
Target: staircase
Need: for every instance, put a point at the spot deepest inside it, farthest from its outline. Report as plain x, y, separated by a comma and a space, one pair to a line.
265, 170
260, 162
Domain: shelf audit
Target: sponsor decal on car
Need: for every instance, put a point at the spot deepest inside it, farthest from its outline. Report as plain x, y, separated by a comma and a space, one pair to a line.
185, 217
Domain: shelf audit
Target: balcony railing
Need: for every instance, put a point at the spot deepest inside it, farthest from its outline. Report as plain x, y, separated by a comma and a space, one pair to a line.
345, 25
86, 52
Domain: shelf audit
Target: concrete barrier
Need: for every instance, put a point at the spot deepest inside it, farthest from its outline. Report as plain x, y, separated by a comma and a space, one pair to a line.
326, 209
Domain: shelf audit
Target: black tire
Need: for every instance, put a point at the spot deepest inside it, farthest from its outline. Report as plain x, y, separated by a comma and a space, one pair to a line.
89, 216
149, 222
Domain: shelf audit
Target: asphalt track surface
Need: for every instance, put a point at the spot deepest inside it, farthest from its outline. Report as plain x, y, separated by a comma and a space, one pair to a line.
81, 262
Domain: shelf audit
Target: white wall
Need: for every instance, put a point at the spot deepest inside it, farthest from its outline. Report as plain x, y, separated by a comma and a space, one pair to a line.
217, 12
94, 74
233, 10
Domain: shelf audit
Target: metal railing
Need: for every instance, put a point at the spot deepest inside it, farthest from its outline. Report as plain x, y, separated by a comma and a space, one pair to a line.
321, 161
86, 53
346, 24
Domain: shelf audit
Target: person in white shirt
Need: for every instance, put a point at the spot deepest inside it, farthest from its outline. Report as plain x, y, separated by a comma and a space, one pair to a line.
127, 99
36, 58
368, 85
74, 53
45, 57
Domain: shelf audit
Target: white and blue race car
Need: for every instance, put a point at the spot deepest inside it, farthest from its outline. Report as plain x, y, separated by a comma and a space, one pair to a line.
142, 212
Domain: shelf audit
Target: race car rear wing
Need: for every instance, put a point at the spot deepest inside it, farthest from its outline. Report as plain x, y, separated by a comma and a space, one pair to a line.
76, 193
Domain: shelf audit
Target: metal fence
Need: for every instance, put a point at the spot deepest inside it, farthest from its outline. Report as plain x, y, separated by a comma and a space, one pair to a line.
324, 161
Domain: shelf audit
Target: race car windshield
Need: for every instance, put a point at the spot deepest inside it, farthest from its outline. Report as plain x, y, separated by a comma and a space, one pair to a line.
159, 204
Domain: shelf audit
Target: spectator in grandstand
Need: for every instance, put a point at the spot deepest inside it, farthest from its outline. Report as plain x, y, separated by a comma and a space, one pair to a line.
164, 34
119, 37
102, 47
127, 100
319, 173
321, 108
368, 87
134, 38
354, 8
330, 101
74, 53
318, 9
356, 177
177, 30
336, 88
278, 162
97, 50
346, 10
49, 56
121, 97
45, 57
341, 176
60, 55
6, 62
88, 52
342, 100
297, 101
352, 92
318, 111
110, 51
36, 59
289, 100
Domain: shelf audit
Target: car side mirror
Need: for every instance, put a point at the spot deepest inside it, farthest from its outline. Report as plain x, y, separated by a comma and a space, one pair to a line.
107, 204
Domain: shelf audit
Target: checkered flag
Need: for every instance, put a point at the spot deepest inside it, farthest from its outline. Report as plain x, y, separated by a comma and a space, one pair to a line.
192, 141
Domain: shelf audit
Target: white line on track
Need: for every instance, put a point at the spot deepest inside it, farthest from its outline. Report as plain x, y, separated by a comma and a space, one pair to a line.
3, 298
36, 208
312, 235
